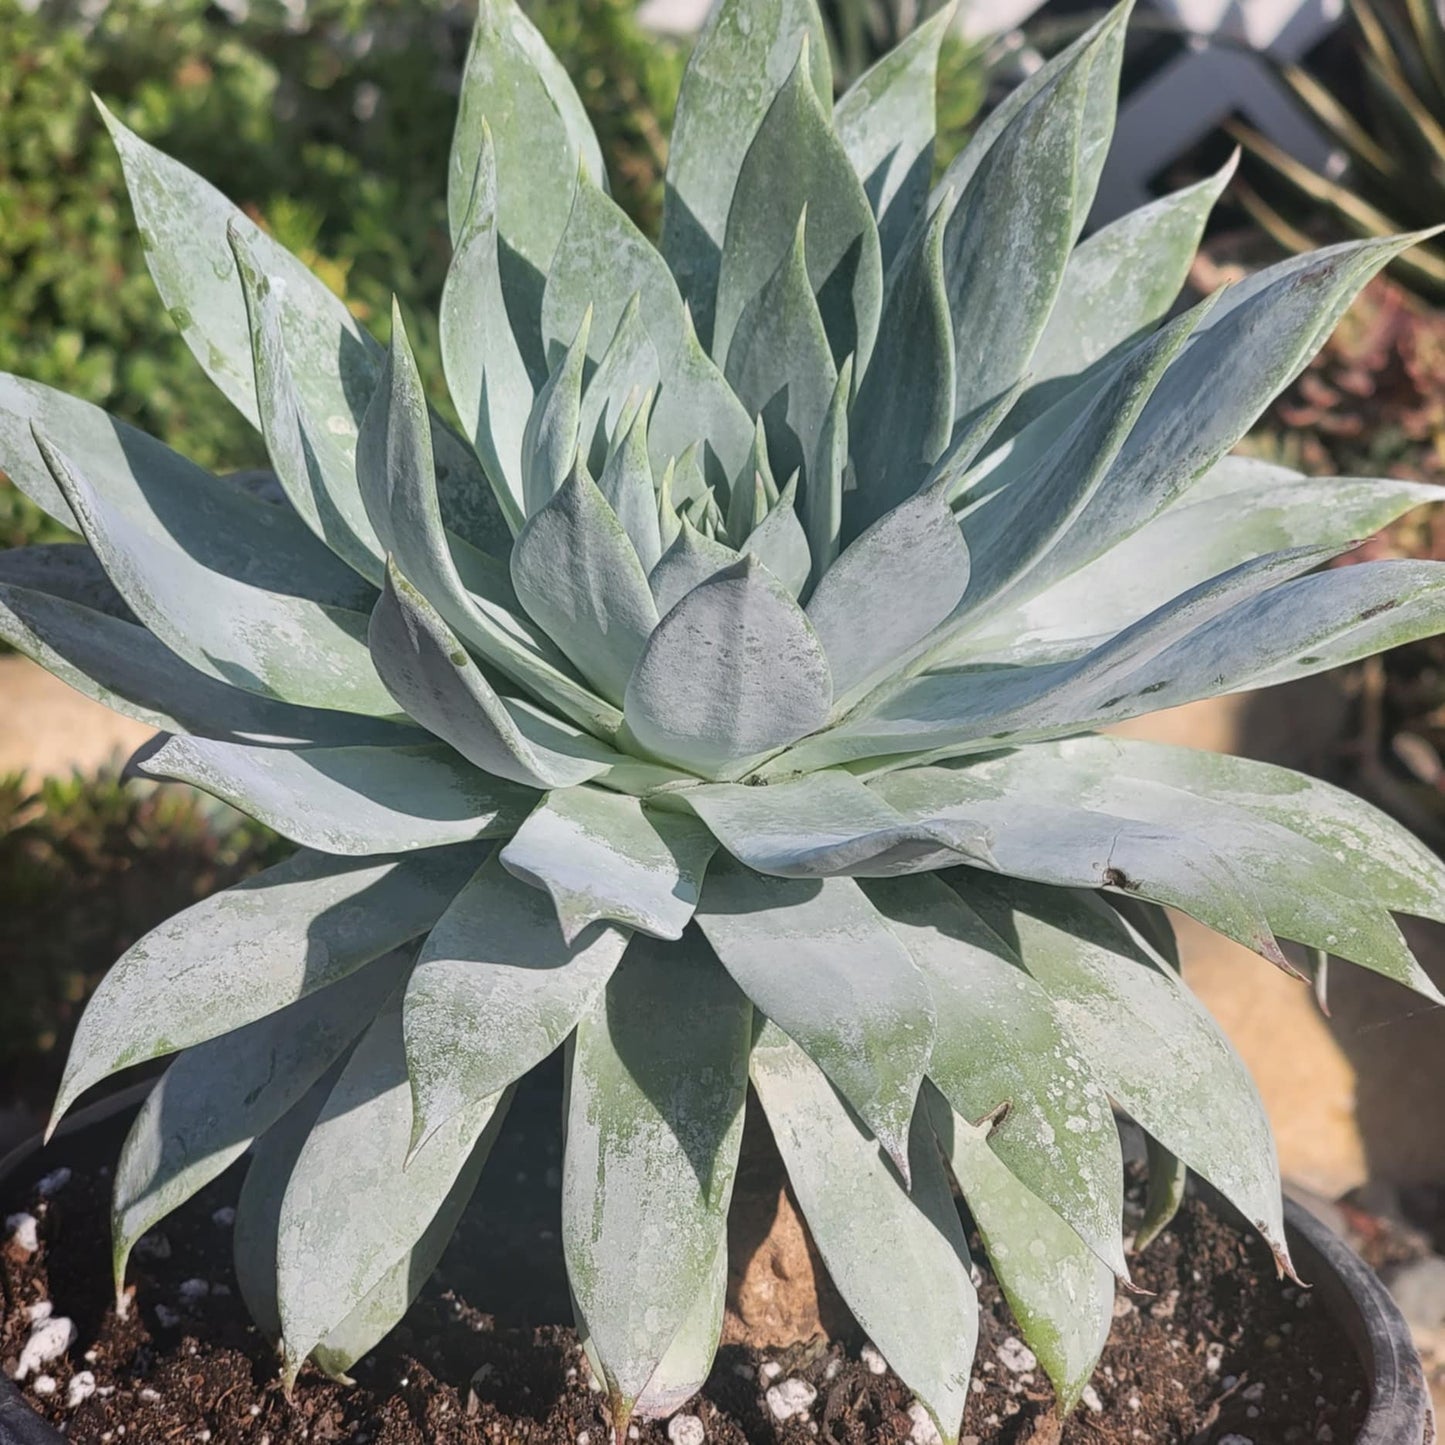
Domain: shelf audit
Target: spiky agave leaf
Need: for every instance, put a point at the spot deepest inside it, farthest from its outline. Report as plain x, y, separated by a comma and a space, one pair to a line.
778, 566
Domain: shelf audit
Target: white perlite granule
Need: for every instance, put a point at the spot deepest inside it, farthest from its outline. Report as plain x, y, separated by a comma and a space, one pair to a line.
81, 1388
48, 1341
790, 1397
1092, 1402
1016, 1357
875, 1362
923, 1431
686, 1430
23, 1230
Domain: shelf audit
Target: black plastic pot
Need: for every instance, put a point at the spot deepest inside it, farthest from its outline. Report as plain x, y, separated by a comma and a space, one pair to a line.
1346, 1287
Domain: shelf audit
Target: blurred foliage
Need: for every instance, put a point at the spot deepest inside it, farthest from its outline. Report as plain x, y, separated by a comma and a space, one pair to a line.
328, 122
88, 865
1392, 137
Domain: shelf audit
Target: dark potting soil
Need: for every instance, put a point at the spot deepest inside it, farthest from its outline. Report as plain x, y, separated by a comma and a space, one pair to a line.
1218, 1352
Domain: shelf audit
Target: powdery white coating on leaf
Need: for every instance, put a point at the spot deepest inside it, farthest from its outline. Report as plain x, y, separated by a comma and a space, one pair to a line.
603, 855
486, 373
388, 1301
898, 1258
1308, 893
312, 444
1045, 835
796, 164
215, 616
255, 948
819, 961
578, 575
888, 591
128, 669
825, 824
885, 122
351, 1210
1121, 281
657, 1081
1017, 216
218, 1096
356, 801
515, 86
734, 670
495, 990
999, 1041
1149, 1040
742, 59
433, 677
1198, 538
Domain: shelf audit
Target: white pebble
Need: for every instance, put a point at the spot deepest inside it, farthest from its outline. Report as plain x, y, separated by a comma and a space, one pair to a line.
24, 1231
1016, 1357
44, 1385
923, 1431
81, 1388
1092, 1402
53, 1183
875, 1362
224, 1217
790, 1397
1135, 1403
584, 1437
633, 1433
40, 1310
203, 1436
1254, 1391
1235, 1440
769, 1370
48, 1341
686, 1430
1213, 1358
193, 1291
148, 1396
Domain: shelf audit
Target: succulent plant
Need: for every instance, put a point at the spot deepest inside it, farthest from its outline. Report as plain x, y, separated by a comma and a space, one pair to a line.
720, 706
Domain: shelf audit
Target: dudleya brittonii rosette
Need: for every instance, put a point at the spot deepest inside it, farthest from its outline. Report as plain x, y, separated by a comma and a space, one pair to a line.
721, 705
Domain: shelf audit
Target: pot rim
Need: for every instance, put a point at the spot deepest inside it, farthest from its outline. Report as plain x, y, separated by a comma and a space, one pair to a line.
1400, 1410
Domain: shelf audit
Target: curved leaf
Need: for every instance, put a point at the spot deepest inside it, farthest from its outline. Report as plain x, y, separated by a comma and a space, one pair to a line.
514, 85
1061, 1295
824, 824
779, 361
741, 60
356, 800
886, 124
204, 602
903, 419
486, 372
999, 1042
602, 855
252, 949
208, 1107
1149, 1040
819, 961
656, 1083
578, 575
351, 1211
796, 163
733, 671
495, 990
898, 1256
892, 587
434, 679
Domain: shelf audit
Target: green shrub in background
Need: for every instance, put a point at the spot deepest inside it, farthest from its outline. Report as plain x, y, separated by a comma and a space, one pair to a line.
325, 121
